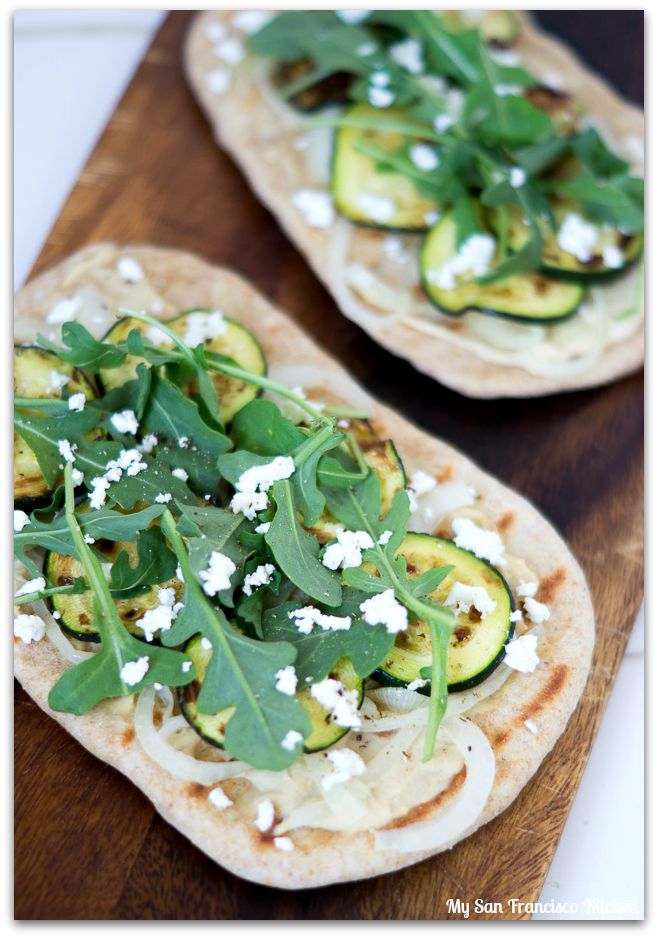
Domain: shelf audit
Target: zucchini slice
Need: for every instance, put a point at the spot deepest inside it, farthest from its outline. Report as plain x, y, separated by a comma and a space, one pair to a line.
531, 297
559, 263
212, 726
33, 377
500, 27
77, 610
478, 644
363, 193
237, 343
383, 459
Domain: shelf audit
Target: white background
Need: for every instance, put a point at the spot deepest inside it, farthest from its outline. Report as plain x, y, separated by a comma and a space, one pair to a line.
71, 68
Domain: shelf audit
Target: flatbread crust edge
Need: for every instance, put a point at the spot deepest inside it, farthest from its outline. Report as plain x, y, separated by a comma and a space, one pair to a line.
547, 696
237, 119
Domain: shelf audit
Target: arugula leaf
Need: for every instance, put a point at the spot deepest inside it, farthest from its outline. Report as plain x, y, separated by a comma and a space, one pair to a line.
309, 500
260, 427
84, 351
215, 529
171, 415
155, 564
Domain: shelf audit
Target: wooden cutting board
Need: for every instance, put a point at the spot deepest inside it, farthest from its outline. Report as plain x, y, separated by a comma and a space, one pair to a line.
88, 845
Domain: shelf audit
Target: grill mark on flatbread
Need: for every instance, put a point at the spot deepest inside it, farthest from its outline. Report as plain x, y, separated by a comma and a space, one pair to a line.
550, 585
420, 811
127, 736
506, 521
546, 695
197, 790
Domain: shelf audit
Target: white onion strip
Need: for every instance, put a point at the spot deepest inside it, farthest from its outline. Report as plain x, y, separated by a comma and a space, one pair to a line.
464, 809
57, 637
177, 763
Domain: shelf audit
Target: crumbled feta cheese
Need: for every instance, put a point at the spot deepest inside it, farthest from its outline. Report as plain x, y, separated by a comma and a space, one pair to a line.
634, 147
262, 478
384, 538
130, 270
431, 218
219, 798
180, 474
250, 21
485, 544
179, 573
204, 327
342, 703
308, 616
77, 477
214, 30
265, 819
20, 520
380, 97
229, 50
32, 586
29, 628
422, 483
261, 576
88, 539
384, 609
424, 157
521, 654
394, 249
377, 207
443, 122
286, 681
67, 450
291, 740
463, 597
366, 49
537, 612
148, 444
218, 80
346, 764
283, 843
77, 401
263, 528
183, 442
249, 503
346, 551
409, 54
380, 79
57, 381
578, 237
56, 614
125, 422
517, 177
218, 575
156, 336
503, 90
163, 498
186, 666
160, 618
527, 588
613, 257
316, 207
418, 683
509, 58
343, 423
552, 80
134, 671
98, 494
473, 257
64, 310
206, 644
353, 17
531, 725
516, 616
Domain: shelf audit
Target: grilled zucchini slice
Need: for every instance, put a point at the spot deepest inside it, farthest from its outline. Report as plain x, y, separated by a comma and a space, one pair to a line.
500, 27
33, 377
478, 644
362, 192
533, 297
212, 726
237, 343
77, 610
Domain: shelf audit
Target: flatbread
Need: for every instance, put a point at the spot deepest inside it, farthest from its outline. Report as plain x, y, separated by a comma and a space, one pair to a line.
548, 696
259, 138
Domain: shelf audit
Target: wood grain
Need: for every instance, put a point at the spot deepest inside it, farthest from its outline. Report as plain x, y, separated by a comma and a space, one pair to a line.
87, 844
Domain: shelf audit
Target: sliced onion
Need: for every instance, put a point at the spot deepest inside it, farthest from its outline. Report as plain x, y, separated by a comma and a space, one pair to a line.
177, 763
57, 637
464, 809
397, 699
308, 377
317, 155
259, 70
507, 336
438, 502
461, 701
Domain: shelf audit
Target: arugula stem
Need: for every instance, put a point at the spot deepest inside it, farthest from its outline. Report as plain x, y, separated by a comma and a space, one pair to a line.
41, 403
42, 594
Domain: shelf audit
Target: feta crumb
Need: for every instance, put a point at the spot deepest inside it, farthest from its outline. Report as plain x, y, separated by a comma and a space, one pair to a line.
531, 725
286, 681
32, 586
343, 423
134, 671
98, 494
250, 21
219, 798
527, 588
521, 654
130, 270
316, 207
394, 249
537, 612
183, 442
384, 609
148, 444
384, 538
125, 422
161, 617
262, 478
206, 644
214, 30
342, 704
509, 58
613, 257
249, 503
308, 616
380, 79
218, 80
379, 208
263, 528
64, 310
473, 257
504, 90
365, 49
346, 551
422, 483
261, 576
56, 614
443, 122
291, 740
77, 401
424, 157
57, 381
578, 237
265, 819
180, 474
88, 539
204, 327
463, 597
552, 80
218, 575
77, 477
163, 498
283, 843
409, 54
418, 683
179, 573
67, 450
516, 616
353, 17
485, 544
229, 50
380, 97
517, 177
186, 666
29, 628
346, 764
20, 520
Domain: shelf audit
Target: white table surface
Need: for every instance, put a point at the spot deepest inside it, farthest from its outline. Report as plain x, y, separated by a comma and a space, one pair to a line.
71, 68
